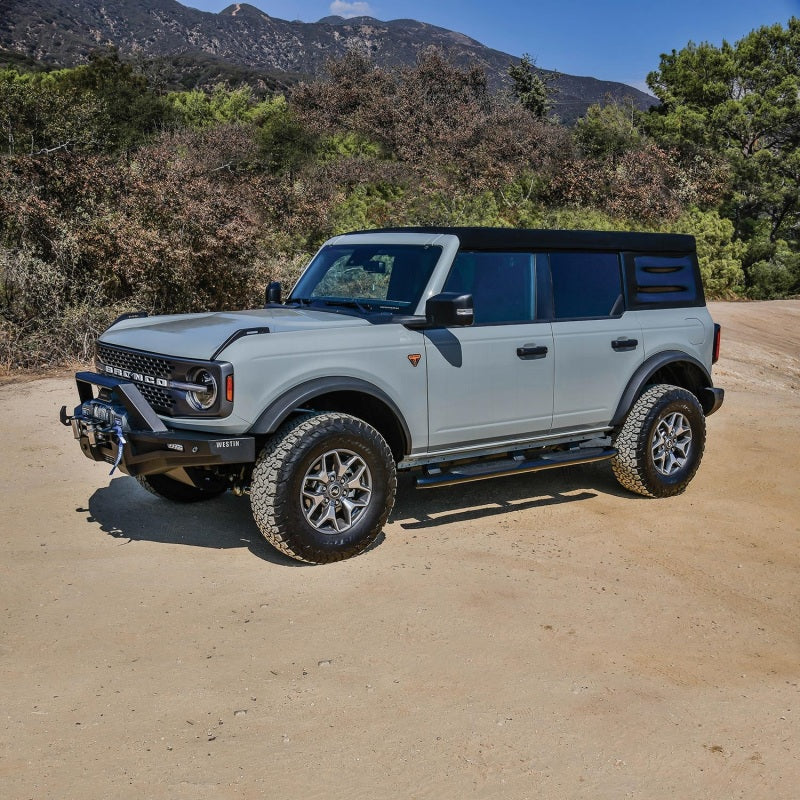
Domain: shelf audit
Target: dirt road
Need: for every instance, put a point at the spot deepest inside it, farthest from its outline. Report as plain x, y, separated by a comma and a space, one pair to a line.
546, 636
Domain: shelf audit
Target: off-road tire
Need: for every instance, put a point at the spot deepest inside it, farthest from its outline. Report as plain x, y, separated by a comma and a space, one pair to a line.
635, 466
285, 469
176, 491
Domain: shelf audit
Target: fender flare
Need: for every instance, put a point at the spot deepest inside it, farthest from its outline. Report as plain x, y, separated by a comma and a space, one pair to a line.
279, 410
645, 372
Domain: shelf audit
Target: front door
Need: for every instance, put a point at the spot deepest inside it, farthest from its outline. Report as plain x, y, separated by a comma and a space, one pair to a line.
492, 381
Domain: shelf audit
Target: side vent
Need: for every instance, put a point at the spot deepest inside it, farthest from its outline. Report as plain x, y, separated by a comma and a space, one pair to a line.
664, 280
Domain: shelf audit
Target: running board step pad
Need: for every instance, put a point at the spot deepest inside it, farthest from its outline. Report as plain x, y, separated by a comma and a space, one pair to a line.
433, 477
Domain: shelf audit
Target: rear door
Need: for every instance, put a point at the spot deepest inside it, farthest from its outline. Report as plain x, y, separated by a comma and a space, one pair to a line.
597, 344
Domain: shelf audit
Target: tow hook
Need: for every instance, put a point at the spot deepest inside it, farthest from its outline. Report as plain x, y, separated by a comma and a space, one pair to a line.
65, 418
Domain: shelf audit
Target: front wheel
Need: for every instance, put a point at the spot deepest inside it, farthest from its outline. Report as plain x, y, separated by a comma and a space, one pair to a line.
661, 443
323, 487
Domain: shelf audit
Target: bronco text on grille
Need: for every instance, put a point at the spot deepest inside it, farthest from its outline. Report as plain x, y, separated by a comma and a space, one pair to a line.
150, 373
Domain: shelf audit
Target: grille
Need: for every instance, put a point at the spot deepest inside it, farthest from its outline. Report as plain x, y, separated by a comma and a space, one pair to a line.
130, 359
159, 398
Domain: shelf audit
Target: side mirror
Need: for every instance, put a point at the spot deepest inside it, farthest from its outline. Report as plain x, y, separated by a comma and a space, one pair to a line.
273, 293
449, 310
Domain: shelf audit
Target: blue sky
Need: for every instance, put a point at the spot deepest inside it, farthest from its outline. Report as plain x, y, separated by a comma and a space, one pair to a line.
616, 40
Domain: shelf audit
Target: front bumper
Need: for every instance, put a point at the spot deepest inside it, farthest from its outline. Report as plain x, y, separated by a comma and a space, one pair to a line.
132, 436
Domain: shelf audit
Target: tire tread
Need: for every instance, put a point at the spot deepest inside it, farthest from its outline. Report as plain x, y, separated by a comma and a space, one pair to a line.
632, 442
281, 454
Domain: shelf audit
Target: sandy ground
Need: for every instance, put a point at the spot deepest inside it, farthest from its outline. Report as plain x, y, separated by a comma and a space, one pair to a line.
546, 636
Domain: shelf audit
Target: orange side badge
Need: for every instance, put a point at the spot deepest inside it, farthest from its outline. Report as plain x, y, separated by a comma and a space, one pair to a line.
414, 358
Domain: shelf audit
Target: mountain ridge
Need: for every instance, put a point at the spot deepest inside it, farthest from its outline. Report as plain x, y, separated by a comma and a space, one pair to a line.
63, 34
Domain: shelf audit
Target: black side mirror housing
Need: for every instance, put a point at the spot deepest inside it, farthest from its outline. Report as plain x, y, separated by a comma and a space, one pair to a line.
273, 293
449, 310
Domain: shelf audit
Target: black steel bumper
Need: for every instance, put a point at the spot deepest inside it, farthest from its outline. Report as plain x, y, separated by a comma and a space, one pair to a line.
148, 446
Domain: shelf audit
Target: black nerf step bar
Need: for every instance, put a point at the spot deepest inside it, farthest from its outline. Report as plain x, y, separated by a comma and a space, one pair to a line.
435, 476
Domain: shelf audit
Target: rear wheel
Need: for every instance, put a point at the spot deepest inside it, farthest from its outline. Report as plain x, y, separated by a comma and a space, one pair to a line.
323, 487
661, 443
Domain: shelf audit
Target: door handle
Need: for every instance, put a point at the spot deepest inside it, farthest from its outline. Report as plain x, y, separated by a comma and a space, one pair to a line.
530, 351
621, 345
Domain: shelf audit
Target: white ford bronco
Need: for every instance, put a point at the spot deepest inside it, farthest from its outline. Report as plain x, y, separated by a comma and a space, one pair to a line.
457, 353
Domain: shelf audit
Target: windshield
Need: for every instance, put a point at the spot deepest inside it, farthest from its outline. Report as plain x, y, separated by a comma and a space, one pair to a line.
384, 277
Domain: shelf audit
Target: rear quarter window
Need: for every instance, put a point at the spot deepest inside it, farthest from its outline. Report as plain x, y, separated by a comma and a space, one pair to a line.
664, 281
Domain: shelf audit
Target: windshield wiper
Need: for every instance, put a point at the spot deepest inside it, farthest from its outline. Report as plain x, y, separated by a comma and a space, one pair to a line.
357, 304
364, 306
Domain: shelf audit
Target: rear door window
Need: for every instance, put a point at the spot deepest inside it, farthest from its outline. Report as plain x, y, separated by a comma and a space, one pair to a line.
586, 285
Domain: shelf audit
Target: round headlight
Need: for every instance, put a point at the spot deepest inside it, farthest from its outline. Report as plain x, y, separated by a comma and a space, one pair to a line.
204, 400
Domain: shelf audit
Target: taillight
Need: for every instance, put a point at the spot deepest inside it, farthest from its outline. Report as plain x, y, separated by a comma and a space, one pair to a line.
717, 338
229, 388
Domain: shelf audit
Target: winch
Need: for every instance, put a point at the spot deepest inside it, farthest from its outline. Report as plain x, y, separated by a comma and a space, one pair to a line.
101, 423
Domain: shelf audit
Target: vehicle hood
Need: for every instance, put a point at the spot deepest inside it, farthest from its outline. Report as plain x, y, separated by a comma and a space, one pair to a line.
202, 335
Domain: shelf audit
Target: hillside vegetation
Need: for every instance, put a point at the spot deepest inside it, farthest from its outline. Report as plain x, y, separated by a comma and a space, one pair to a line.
116, 195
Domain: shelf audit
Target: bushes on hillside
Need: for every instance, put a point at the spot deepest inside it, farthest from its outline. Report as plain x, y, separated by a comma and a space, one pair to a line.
114, 197
173, 229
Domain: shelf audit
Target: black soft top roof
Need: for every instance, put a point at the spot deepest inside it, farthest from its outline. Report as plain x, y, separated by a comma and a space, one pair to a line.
525, 238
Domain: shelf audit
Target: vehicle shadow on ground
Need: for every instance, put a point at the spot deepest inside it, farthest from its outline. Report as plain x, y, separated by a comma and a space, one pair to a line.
125, 511
417, 509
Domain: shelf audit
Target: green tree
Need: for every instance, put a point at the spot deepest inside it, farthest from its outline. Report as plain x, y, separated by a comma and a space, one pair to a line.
135, 112
531, 87
39, 116
610, 129
719, 254
200, 109
743, 102
285, 144
100, 106
777, 276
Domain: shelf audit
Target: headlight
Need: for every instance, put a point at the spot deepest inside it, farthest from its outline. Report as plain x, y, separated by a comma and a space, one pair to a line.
202, 400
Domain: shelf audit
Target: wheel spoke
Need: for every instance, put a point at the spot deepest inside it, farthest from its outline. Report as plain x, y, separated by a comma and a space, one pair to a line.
682, 448
355, 483
671, 444
315, 499
682, 431
350, 506
321, 475
329, 515
335, 491
337, 467
347, 465
314, 515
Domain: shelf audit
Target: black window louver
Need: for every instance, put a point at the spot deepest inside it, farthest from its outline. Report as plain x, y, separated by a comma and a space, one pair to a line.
664, 279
